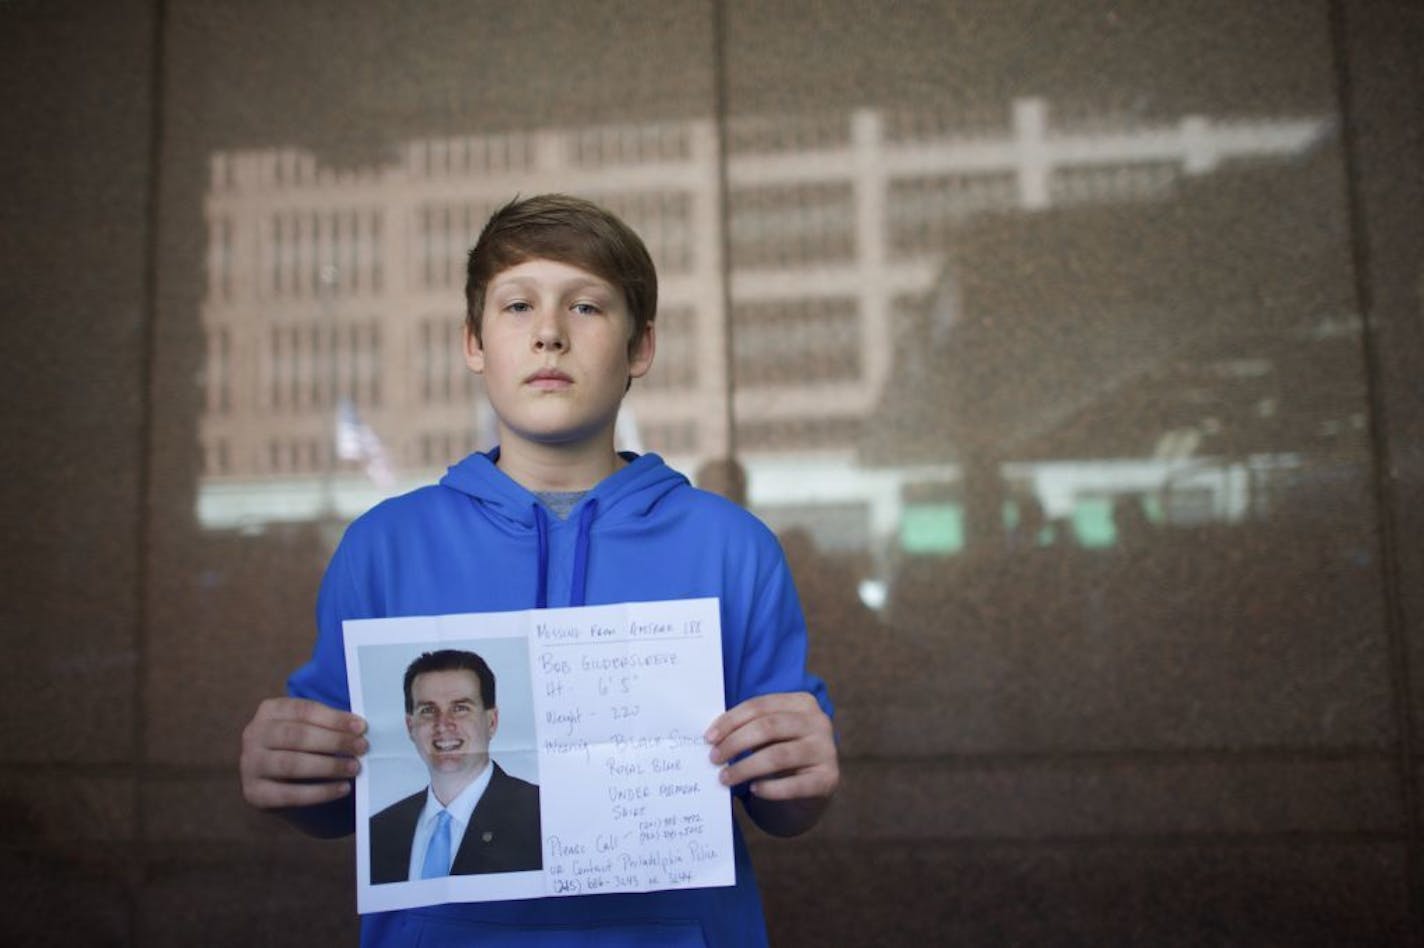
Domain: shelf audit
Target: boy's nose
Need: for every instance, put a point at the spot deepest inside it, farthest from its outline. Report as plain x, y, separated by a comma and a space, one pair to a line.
549, 335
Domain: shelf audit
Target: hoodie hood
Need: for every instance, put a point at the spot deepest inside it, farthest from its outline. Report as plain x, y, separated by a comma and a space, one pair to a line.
627, 495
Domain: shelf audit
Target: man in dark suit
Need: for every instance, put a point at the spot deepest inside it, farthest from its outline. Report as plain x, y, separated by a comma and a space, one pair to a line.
474, 817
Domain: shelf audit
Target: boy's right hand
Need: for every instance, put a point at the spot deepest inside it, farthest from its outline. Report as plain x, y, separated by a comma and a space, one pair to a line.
299, 753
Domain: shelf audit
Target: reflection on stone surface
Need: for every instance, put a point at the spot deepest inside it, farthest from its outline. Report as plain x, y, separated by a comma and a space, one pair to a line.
1047, 364
1154, 500
1054, 389
1318, 893
902, 793
210, 901
238, 621
331, 288
74, 232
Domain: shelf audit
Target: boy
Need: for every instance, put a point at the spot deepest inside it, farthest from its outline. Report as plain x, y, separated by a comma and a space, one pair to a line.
560, 298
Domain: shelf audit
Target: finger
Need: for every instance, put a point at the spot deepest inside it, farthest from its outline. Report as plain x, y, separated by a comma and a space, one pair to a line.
753, 734
299, 724
780, 758
275, 795
759, 706
296, 765
769, 729
311, 712
809, 784
777, 772
304, 737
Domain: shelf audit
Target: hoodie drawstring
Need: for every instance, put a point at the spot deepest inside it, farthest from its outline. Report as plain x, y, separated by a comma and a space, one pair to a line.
577, 592
541, 525
580, 580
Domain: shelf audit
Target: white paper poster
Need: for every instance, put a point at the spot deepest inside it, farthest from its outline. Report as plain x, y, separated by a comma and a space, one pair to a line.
602, 708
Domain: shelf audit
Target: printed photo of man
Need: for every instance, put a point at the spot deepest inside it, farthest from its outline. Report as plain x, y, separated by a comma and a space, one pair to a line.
473, 817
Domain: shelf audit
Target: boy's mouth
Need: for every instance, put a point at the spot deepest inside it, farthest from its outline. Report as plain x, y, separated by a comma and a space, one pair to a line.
549, 379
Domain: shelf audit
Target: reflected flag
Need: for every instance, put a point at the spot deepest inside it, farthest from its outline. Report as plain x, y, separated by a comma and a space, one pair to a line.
355, 441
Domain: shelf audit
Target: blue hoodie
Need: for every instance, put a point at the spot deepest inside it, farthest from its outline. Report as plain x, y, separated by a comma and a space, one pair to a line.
478, 542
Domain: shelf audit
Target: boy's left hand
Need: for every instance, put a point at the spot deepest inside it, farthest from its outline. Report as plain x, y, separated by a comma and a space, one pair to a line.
789, 746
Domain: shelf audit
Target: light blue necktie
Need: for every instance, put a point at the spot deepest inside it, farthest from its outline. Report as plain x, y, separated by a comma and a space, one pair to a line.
437, 854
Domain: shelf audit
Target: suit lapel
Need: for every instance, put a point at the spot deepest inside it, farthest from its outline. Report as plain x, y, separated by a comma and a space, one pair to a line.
480, 834
397, 836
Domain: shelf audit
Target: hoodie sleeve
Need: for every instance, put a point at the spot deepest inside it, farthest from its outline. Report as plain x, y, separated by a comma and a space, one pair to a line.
323, 677
772, 653
773, 644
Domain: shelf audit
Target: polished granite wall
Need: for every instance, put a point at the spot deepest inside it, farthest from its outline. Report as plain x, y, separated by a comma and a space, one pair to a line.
1203, 733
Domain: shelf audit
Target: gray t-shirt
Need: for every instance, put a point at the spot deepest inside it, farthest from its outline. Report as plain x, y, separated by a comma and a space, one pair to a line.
560, 502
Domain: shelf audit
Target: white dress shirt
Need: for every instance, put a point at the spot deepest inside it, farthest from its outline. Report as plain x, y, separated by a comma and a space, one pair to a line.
461, 809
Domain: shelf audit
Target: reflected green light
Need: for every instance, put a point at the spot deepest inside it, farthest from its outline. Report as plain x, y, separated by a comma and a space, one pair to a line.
932, 528
1093, 523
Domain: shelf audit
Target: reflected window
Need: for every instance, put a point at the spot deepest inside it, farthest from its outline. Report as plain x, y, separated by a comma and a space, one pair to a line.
606, 146
664, 220
444, 234
792, 225
675, 366
797, 342
777, 134
924, 212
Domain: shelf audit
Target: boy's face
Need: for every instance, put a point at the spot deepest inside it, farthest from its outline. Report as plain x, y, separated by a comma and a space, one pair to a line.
555, 353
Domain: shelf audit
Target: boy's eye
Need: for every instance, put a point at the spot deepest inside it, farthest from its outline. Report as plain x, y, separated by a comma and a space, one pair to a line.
586, 309
518, 306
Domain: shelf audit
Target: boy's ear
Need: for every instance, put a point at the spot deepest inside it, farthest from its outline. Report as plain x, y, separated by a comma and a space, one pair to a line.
474, 352
640, 353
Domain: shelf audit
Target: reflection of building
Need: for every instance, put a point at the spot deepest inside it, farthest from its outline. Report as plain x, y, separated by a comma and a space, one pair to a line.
1149, 359
326, 284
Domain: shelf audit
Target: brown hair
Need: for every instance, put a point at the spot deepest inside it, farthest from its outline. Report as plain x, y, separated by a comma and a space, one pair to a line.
569, 230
